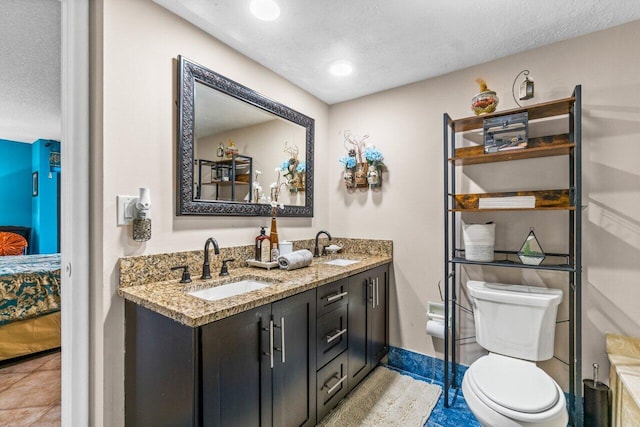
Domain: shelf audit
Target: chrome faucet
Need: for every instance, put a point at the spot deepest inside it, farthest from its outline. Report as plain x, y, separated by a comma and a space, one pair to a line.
316, 251
206, 268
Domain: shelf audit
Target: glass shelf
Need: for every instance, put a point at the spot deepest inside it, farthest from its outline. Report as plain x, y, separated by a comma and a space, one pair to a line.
515, 263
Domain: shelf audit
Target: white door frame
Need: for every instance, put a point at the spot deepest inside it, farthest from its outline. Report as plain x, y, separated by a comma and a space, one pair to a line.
75, 212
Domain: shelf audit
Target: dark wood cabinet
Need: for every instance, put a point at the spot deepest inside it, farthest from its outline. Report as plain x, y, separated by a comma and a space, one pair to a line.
379, 315
294, 368
284, 364
226, 373
161, 370
251, 379
368, 322
236, 370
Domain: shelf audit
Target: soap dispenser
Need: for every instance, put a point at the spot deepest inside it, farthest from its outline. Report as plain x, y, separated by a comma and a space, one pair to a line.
263, 246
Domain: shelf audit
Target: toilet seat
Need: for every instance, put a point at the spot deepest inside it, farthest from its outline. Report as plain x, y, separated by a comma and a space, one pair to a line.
515, 388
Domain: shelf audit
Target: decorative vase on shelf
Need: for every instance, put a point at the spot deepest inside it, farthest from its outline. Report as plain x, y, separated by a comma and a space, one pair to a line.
373, 176
484, 102
361, 174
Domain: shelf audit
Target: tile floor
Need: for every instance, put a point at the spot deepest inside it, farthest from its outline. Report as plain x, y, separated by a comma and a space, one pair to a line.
30, 391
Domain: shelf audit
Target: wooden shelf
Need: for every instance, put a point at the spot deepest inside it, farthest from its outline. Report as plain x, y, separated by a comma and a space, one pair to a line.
225, 183
537, 111
546, 146
239, 160
545, 200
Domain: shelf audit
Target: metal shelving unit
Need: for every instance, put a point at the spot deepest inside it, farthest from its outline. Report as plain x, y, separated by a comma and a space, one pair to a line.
227, 168
568, 200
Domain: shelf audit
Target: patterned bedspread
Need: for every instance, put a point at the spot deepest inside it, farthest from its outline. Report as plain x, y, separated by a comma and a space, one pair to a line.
29, 286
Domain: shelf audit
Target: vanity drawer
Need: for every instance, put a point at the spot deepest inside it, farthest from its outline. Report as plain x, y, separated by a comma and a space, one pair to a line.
331, 337
332, 385
332, 296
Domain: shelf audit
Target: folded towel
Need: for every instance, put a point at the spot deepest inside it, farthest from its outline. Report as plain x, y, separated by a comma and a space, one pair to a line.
296, 259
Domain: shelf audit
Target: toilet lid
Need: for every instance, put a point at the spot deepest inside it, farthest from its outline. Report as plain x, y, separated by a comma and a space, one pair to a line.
514, 384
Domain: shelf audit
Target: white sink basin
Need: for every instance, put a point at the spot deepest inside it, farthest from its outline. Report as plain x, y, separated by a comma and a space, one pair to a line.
341, 262
227, 290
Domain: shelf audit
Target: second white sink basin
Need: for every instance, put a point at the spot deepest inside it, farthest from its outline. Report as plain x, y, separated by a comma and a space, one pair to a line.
341, 262
229, 289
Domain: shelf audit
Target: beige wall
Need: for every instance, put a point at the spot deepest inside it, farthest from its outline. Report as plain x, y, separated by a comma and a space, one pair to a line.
135, 146
406, 124
135, 46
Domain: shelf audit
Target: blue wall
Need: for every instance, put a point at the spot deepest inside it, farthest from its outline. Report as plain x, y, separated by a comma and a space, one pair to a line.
18, 160
15, 183
45, 205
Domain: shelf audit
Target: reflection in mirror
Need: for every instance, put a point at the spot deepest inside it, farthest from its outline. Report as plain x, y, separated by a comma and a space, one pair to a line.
239, 145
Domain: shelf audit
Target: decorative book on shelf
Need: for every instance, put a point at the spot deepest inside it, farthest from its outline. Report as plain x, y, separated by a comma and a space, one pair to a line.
522, 202
544, 199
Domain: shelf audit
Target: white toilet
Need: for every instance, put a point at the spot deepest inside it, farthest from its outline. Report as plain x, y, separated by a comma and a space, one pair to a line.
516, 324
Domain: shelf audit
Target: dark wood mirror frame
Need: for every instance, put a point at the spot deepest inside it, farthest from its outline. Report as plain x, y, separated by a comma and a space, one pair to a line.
190, 73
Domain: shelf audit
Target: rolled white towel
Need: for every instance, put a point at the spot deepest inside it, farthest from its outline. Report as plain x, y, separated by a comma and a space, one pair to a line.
296, 259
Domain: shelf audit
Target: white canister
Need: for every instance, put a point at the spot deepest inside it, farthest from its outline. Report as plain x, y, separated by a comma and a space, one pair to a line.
479, 240
285, 247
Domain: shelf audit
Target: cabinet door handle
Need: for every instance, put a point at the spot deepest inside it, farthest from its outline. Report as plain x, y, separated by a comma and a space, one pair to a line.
282, 349
373, 299
336, 335
334, 297
282, 335
270, 343
336, 385
377, 292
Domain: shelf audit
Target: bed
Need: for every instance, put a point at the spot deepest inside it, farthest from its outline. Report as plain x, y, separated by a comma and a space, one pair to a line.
29, 304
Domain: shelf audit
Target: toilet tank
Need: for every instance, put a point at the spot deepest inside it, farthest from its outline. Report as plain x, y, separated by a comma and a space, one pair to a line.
515, 320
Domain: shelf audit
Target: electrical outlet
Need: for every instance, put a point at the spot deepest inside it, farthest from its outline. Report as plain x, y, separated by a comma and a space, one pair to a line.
126, 209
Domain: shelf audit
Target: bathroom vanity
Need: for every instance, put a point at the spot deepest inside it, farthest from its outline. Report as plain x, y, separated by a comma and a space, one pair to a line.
283, 355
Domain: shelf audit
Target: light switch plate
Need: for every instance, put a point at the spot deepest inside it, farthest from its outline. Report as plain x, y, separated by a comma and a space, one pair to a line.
126, 209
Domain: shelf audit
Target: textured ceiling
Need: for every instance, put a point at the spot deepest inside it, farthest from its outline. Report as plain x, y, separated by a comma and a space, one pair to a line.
392, 43
30, 70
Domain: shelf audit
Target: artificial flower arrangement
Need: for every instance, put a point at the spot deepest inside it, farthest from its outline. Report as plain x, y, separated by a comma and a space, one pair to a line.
293, 169
362, 164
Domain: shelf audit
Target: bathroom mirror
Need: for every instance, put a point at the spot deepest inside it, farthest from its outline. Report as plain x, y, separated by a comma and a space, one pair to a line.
231, 137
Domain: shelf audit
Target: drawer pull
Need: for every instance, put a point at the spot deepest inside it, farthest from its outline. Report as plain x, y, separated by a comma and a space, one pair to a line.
336, 335
336, 385
334, 297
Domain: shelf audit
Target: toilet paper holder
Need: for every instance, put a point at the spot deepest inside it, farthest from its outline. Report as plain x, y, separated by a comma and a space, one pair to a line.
435, 311
435, 319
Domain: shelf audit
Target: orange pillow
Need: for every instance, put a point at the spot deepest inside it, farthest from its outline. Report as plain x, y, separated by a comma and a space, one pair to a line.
12, 243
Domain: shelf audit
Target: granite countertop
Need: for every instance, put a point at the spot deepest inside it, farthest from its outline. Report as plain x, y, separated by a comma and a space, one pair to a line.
170, 299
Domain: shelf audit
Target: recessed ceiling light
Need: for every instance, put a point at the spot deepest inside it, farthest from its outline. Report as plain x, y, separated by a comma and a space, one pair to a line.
341, 68
266, 10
